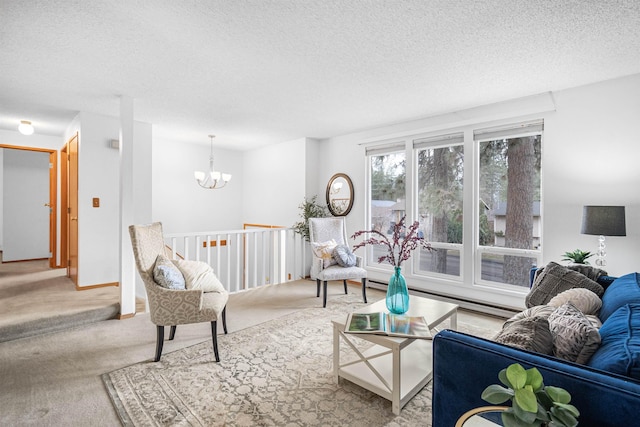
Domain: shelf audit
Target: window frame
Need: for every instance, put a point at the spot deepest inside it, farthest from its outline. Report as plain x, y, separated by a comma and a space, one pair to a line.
468, 286
440, 140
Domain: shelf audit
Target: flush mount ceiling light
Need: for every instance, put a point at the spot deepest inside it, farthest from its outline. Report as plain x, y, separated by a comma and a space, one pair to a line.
25, 127
211, 180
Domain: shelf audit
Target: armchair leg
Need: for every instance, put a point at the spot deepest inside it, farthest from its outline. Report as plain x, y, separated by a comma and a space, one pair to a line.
172, 333
318, 286
224, 319
364, 289
214, 336
345, 286
324, 297
159, 342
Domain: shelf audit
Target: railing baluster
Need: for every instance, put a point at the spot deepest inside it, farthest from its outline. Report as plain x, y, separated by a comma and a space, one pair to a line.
239, 265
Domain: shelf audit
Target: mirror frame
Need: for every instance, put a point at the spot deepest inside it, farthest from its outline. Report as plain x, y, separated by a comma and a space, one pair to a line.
330, 184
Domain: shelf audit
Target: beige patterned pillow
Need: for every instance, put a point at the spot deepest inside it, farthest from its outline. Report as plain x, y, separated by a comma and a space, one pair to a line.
583, 299
199, 275
324, 250
574, 337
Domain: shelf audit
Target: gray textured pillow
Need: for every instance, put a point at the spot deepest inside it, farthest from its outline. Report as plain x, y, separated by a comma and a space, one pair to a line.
591, 272
574, 337
166, 274
555, 279
537, 311
583, 299
531, 334
343, 256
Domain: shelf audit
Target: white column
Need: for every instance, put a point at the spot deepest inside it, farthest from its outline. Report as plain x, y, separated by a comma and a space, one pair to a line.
127, 266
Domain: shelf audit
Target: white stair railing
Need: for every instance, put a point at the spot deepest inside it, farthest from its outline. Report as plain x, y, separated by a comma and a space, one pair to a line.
245, 259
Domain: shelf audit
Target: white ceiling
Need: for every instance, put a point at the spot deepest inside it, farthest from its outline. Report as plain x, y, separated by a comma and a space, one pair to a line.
257, 72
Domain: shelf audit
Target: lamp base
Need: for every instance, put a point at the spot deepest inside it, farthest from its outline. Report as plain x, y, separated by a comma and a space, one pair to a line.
601, 254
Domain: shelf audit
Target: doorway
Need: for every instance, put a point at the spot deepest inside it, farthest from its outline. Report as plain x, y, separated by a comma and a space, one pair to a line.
30, 204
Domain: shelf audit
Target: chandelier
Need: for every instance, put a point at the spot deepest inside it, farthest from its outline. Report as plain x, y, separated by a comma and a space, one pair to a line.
211, 180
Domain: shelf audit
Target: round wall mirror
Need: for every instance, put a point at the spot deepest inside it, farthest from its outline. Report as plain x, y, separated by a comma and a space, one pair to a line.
340, 195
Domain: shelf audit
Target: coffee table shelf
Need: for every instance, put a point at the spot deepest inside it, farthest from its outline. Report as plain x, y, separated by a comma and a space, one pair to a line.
394, 368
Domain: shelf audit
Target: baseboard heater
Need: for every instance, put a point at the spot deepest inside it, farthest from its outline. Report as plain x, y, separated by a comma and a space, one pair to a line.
484, 308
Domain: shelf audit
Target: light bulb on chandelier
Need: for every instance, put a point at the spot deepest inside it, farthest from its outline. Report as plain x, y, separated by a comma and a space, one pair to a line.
211, 180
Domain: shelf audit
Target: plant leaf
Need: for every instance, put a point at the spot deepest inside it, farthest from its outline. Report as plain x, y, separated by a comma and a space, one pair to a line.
562, 418
517, 376
496, 394
524, 416
558, 394
502, 376
526, 400
569, 408
534, 378
510, 420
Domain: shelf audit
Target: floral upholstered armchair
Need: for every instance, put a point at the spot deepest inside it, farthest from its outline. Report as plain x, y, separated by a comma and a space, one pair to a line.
332, 257
179, 292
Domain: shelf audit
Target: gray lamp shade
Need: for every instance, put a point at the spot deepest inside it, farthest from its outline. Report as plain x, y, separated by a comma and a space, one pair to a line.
603, 221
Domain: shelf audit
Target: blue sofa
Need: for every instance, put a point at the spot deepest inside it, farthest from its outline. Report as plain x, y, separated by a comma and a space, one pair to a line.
608, 395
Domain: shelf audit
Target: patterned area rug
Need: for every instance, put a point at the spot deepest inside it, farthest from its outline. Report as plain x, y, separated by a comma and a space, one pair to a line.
278, 373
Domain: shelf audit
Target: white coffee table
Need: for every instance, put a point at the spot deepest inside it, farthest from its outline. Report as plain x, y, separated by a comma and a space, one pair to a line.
394, 368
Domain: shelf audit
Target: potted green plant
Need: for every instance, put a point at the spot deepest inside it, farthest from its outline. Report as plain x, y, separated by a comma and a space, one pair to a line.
533, 403
577, 257
309, 209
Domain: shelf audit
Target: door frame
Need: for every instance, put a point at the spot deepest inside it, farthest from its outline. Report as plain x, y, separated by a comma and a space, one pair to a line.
53, 197
67, 196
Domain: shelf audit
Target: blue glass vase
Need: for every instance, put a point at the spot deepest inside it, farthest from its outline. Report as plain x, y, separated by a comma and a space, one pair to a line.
397, 293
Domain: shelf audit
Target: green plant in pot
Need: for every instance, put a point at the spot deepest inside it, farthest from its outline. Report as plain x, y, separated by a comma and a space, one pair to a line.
577, 257
309, 209
533, 403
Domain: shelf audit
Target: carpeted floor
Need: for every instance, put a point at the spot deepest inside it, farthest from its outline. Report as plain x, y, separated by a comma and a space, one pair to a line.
36, 299
54, 379
273, 374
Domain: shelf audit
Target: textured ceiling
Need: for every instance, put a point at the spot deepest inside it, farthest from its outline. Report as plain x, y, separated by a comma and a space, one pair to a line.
266, 71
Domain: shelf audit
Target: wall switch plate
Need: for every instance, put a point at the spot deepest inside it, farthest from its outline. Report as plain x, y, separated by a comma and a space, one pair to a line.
96, 202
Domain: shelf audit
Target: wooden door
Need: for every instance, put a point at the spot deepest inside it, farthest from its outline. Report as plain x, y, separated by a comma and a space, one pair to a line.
72, 209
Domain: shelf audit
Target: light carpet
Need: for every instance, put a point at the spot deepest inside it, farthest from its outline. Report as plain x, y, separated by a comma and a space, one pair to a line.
278, 373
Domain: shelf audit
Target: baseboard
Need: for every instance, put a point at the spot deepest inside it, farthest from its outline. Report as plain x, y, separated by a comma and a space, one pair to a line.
102, 285
489, 309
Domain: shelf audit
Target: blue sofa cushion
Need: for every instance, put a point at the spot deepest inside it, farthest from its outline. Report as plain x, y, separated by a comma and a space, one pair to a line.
623, 290
620, 349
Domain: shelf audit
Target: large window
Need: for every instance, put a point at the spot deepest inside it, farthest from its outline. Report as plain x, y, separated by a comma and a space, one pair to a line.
440, 195
509, 217
476, 194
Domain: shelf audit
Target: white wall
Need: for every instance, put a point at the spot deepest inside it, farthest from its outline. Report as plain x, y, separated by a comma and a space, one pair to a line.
180, 203
591, 158
588, 158
98, 176
275, 183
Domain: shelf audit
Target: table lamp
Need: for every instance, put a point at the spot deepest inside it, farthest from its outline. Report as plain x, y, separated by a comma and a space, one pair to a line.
603, 221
